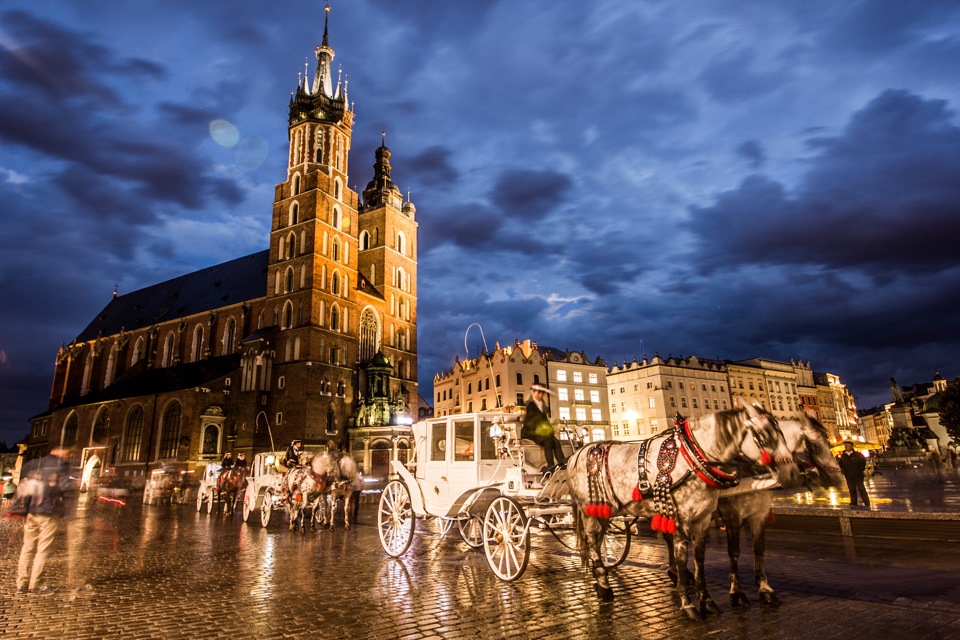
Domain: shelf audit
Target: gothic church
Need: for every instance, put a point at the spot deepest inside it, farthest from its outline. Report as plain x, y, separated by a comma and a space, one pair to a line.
314, 338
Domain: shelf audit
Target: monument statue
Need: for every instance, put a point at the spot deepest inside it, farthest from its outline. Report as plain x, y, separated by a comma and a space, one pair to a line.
896, 392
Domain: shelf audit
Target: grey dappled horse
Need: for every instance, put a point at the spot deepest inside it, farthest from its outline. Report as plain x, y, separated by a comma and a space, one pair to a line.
340, 473
682, 467
808, 441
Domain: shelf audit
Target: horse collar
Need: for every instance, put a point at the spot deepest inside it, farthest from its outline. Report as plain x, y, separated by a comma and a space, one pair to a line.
712, 475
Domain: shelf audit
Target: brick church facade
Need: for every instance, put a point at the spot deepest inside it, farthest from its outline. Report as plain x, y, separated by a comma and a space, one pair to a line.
314, 338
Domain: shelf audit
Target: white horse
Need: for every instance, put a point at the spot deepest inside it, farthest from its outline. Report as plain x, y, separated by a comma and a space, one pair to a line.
674, 478
341, 473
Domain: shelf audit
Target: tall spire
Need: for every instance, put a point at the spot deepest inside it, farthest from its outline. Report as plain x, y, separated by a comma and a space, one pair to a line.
322, 81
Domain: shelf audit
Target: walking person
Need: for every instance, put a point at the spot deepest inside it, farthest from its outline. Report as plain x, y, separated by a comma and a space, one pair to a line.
853, 466
43, 483
537, 427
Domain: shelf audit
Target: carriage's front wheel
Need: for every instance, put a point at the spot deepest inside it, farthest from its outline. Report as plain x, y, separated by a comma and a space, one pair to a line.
266, 508
245, 509
396, 521
210, 501
199, 500
615, 544
471, 531
506, 538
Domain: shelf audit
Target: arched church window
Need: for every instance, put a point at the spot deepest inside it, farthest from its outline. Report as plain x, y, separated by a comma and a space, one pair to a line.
197, 350
288, 280
111, 365
291, 245
335, 249
137, 352
296, 184
335, 318
100, 426
168, 351
401, 243
335, 284
369, 334
337, 189
70, 430
287, 320
364, 240
294, 216
170, 431
335, 218
132, 434
229, 336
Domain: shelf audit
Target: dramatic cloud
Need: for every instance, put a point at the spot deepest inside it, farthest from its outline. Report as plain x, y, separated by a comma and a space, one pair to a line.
720, 179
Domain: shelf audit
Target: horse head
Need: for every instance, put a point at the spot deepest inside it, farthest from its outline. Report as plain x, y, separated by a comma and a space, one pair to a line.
767, 445
817, 446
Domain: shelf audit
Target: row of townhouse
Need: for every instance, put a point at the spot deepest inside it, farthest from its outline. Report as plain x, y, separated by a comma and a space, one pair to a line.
640, 398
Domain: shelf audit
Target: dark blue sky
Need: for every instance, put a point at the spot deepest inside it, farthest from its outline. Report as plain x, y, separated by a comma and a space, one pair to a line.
712, 177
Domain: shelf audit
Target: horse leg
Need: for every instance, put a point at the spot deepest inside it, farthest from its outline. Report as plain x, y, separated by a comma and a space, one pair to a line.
707, 605
758, 527
589, 535
734, 526
671, 559
347, 500
680, 551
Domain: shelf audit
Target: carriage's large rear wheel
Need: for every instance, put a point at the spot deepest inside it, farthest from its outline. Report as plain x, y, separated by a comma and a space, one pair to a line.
266, 508
471, 530
200, 499
615, 544
506, 538
396, 521
211, 500
245, 508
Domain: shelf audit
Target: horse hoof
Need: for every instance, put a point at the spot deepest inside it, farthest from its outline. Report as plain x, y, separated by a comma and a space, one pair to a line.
737, 599
769, 599
709, 608
604, 593
692, 613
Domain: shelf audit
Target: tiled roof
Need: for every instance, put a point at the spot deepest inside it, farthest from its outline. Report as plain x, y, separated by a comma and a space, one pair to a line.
141, 381
218, 286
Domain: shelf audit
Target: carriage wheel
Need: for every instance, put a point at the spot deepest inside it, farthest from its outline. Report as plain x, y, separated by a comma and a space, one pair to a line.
396, 520
506, 538
471, 531
245, 509
615, 545
199, 500
210, 501
266, 508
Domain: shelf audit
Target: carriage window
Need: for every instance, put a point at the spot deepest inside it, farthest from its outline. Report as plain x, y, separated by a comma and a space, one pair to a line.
463, 436
488, 448
438, 436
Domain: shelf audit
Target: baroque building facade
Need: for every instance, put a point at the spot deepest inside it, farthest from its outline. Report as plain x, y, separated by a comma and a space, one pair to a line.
314, 338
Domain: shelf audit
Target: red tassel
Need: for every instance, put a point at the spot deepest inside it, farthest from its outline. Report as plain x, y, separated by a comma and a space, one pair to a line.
604, 511
637, 497
655, 523
671, 527
766, 459
591, 510
770, 517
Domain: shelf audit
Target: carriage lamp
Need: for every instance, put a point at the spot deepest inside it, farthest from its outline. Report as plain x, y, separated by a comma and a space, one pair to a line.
270, 460
496, 431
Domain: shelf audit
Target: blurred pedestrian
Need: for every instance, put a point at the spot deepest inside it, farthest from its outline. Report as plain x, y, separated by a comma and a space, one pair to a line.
951, 456
936, 461
9, 488
43, 483
358, 484
853, 466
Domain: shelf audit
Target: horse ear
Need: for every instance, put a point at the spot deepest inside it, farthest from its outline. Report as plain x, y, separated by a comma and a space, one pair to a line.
752, 410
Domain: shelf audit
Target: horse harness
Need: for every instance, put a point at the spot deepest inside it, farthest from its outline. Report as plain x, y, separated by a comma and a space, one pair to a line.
673, 442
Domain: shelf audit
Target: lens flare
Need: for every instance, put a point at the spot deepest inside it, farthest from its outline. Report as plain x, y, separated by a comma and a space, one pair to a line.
224, 133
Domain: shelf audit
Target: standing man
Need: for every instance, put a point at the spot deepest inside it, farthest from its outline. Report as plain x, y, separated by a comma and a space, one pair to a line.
537, 427
853, 466
43, 483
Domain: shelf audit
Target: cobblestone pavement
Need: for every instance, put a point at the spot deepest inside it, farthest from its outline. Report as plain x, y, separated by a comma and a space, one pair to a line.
169, 572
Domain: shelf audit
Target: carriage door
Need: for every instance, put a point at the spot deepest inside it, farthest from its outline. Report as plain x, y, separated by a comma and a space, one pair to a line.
435, 485
463, 465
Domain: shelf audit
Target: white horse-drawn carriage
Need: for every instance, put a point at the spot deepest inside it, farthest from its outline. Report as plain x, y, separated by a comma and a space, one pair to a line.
263, 492
214, 494
473, 471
